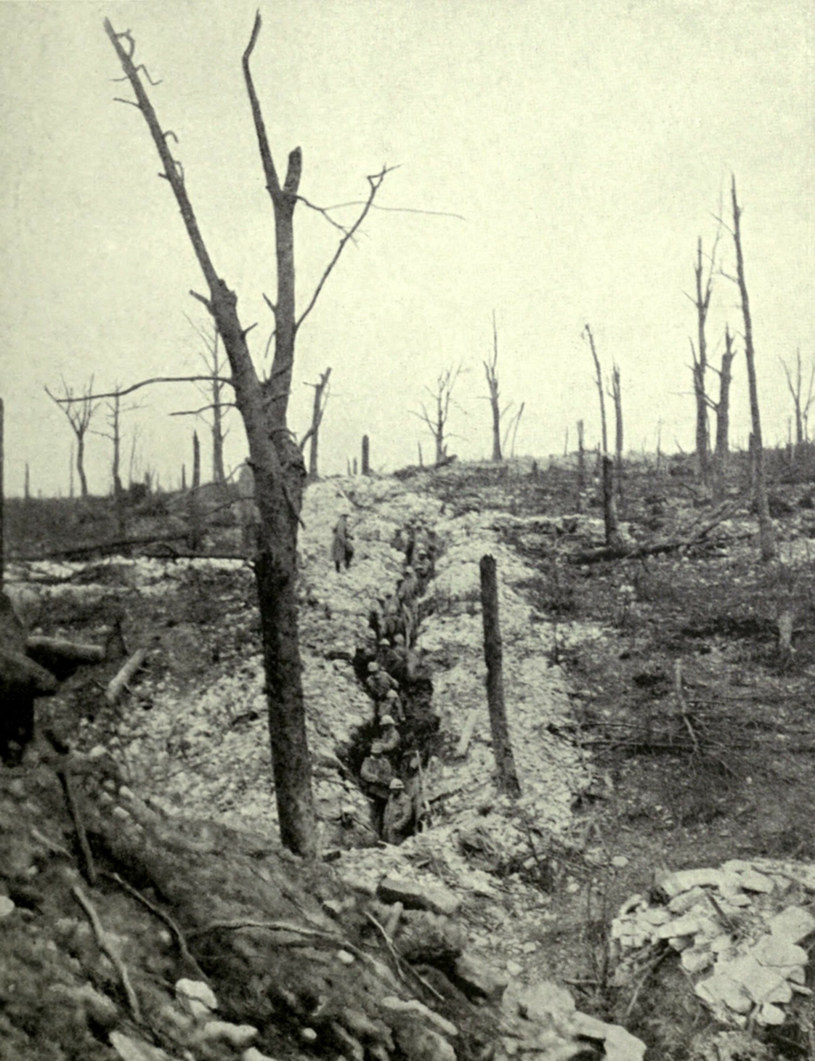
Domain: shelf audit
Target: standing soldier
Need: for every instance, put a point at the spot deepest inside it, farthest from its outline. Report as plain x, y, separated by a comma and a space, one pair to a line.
376, 775
342, 551
398, 816
389, 737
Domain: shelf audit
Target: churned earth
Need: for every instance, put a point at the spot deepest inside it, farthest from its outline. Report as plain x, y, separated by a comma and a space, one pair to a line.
629, 768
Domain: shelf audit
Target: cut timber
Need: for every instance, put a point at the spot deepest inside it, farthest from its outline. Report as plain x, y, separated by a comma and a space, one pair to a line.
467, 734
118, 684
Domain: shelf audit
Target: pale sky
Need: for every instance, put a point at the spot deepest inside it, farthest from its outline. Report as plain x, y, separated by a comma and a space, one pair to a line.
585, 145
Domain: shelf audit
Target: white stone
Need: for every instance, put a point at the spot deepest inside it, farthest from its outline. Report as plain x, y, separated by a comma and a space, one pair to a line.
237, 1035
6, 905
253, 1054
196, 996
792, 924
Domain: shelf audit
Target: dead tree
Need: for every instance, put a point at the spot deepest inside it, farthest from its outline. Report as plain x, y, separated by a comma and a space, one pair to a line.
701, 300
722, 409
581, 461
195, 531
217, 406
436, 420
801, 401
506, 773
511, 432
317, 412
78, 410
769, 549
491, 374
114, 435
606, 465
276, 460
616, 395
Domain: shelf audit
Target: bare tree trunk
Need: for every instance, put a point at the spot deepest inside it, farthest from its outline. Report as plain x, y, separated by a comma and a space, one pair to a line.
313, 433
78, 410
491, 372
600, 391
507, 775
617, 397
193, 504
610, 503
183, 477
27, 486
80, 466
2, 492
366, 455
275, 458
769, 549
581, 465
702, 303
723, 415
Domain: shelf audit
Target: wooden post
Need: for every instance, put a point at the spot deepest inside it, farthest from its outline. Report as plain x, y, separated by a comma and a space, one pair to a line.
507, 776
366, 455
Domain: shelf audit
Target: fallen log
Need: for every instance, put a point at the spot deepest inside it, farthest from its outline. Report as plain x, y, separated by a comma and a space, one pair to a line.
117, 685
60, 656
693, 536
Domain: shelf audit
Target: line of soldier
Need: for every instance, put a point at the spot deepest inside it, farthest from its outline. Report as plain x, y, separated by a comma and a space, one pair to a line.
390, 662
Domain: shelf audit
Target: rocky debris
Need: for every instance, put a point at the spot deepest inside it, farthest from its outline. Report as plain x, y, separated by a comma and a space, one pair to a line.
477, 978
415, 896
736, 930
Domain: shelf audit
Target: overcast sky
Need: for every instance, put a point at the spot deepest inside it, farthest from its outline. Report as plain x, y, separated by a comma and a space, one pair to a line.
585, 146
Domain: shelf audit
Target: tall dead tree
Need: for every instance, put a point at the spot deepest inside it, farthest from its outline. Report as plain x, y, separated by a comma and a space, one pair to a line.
506, 774
701, 300
275, 458
769, 549
213, 388
616, 395
78, 410
317, 412
606, 465
436, 418
491, 374
801, 399
722, 410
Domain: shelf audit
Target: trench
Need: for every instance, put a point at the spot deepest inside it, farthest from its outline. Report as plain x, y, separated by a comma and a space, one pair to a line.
387, 662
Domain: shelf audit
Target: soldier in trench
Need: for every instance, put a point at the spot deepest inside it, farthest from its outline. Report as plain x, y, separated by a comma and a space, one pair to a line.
397, 820
375, 776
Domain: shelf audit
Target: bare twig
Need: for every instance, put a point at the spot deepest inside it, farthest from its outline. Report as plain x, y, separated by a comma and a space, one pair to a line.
104, 945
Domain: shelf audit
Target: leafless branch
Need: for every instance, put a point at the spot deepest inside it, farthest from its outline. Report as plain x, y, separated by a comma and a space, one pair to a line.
374, 183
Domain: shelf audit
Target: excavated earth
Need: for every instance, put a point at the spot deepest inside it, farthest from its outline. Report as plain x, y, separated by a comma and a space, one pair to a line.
512, 900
